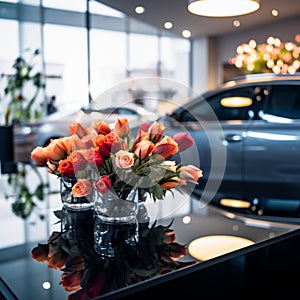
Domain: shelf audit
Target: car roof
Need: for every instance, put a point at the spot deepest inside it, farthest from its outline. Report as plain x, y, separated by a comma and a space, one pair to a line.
261, 78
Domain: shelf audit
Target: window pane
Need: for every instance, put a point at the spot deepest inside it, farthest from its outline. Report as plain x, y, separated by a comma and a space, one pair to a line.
175, 59
65, 51
78, 5
143, 55
101, 9
108, 60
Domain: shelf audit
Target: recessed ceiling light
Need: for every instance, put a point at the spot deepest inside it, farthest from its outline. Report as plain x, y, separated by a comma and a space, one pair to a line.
236, 23
186, 33
139, 10
222, 8
275, 12
168, 25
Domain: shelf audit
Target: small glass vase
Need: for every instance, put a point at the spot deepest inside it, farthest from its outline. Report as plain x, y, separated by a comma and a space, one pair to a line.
70, 202
115, 223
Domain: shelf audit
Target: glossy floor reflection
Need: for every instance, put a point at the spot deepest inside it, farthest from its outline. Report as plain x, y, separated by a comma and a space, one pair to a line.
31, 280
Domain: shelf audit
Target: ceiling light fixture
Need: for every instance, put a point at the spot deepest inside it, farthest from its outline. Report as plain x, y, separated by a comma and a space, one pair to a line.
139, 10
222, 8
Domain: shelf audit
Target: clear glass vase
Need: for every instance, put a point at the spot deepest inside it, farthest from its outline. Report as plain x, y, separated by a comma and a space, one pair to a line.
115, 223
71, 202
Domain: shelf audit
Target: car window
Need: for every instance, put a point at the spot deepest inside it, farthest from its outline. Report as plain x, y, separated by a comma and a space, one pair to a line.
251, 97
126, 111
284, 101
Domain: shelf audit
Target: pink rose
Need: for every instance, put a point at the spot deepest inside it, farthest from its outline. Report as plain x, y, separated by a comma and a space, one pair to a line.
103, 185
124, 159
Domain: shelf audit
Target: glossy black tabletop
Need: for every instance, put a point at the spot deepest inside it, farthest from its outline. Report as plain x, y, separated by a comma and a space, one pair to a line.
166, 247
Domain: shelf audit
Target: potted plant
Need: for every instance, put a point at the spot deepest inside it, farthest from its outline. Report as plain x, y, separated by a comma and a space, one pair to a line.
18, 95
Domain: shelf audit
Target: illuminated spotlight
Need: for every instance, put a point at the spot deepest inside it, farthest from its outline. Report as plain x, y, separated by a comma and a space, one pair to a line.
235, 203
168, 25
139, 10
222, 8
186, 219
275, 13
46, 285
208, 247
236, 23
186, 33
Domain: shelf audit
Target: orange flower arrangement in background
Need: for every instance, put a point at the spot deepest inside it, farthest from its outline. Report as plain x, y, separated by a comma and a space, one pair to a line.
108, 160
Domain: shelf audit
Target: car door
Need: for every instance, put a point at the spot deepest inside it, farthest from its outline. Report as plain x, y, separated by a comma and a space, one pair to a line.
272, 146
218, 125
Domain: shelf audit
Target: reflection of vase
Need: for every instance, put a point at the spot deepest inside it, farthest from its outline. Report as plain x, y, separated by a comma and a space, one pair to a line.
116, 226
77, 224
7, 164
70, 202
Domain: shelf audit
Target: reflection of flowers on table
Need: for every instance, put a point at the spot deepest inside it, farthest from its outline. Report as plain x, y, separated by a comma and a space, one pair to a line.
89, 275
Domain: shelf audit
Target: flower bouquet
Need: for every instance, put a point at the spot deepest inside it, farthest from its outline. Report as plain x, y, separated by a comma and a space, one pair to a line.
115, 162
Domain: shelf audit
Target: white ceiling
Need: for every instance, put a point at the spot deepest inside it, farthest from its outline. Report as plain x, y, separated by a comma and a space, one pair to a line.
159, 11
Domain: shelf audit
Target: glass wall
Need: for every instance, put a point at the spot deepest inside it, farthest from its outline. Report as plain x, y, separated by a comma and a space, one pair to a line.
86, 49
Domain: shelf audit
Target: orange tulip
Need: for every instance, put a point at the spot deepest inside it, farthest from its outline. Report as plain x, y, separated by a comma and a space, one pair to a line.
156, 131
173, 182
166, 147
122, 128
80, 130
143, 149
101, 127
55, 151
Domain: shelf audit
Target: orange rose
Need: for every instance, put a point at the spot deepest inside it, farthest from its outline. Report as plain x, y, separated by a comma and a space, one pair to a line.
66, 143
122, 128
101, 127
55, 151
124, 159
166, 147
65, 167
108, 143
93, 157
143, 149
80, 130
82, 187
79, 144
39, 156
78, 161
